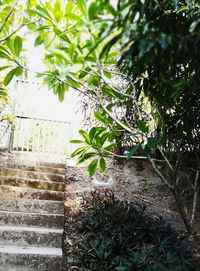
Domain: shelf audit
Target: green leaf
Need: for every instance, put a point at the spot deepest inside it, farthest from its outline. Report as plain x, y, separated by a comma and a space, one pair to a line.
79, 151
43, 12
102, 165
72, 49
107, 74
2, 93
9, 77
142, 126
4, 67
85, 136
4, 55
61, 92
100, 117
110, 147
82, 7
17, 45
132, 152
84, 73
75, 141
2, 48
152, 142
85, 157
10, 45
92, 133
104, 138
92, 11
94, 80
18, 71
39, 40
92, 167
73, 83
69, 7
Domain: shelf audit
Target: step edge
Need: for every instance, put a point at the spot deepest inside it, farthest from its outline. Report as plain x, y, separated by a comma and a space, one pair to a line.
40, 230
31, 189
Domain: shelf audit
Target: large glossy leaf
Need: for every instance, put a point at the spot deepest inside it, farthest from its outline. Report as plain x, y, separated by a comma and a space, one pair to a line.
17, 45
92, 11
9, 76
39, 40
92, 133
18, 71
92, 167
61, 92
103, 138
102, 164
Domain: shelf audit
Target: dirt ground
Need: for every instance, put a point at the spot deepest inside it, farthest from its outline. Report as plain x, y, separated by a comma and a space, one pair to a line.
133, 182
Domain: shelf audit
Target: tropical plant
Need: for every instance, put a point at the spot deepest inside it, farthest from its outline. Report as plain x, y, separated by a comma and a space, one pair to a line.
151, 41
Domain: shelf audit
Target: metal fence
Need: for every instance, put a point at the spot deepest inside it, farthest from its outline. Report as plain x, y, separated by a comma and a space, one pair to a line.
41, 135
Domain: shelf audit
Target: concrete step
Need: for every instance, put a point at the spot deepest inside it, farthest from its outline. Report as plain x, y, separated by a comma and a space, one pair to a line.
31, 175
32, 205
14, 258
36, 163
30, 193
18, 165
52, 221
31, 183
29, 236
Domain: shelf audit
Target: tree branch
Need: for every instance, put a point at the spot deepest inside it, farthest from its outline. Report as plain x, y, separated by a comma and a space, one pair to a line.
17, 29
8, 16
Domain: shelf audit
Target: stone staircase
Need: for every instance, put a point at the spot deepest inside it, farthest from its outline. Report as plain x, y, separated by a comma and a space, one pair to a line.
31, 215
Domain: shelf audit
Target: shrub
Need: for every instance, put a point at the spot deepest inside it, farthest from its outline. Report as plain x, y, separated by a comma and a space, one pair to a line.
117, 235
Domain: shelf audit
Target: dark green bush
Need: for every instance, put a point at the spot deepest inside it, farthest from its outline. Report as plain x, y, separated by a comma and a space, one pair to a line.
120, 236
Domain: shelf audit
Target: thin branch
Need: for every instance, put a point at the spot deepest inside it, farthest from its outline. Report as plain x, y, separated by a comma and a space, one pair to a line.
17, 29
133, 157
114, 89
113, 117
195, 198
164, 180
165, 158
8, 16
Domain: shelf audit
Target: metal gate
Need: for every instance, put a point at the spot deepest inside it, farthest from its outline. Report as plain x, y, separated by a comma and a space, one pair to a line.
34, 134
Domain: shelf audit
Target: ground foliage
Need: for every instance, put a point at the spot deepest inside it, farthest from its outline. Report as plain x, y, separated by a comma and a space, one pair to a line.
117, 235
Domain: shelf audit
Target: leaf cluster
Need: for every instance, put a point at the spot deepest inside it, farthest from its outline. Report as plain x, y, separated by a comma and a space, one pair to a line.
121, 236
96, 145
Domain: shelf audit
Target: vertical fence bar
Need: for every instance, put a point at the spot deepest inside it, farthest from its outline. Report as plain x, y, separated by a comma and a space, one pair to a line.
40, 135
